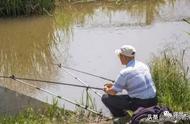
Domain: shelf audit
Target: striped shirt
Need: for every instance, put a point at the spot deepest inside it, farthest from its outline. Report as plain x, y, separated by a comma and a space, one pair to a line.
136, 80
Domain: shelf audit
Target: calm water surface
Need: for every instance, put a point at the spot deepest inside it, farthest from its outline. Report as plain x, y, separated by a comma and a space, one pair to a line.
84, 36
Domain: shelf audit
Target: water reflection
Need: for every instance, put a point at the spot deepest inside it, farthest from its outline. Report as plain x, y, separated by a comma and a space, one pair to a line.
25, 44
145, 9
26, 49
69, 15
133, 13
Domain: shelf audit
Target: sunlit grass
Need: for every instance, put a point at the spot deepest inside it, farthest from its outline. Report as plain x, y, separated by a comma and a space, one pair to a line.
47, 115
52, 114
84, 115
171, 76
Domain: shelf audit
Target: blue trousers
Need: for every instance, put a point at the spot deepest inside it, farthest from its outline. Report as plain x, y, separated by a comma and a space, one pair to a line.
119, 104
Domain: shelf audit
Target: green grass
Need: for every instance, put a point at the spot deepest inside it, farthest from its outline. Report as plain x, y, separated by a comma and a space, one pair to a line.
25, 7
170, 75
52, 114
47, 115
84, 115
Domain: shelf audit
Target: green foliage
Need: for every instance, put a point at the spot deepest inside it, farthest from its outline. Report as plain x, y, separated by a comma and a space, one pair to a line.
25, 7
171, 80
48, 115
84, 115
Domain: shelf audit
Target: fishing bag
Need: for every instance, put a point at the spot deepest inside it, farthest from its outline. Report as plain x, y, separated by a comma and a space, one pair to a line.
145, 112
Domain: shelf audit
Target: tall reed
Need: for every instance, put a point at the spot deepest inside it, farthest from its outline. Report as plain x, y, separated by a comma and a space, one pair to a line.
86, 116
25, 7
172, 81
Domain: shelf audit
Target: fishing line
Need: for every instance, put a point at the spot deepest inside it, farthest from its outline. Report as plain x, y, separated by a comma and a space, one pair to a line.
73, 69
75, 77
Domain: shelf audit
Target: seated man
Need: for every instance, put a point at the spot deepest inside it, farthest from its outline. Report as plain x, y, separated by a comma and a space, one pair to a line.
136, 80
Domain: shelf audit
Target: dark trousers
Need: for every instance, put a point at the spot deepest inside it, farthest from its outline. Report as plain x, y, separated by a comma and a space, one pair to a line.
118, 104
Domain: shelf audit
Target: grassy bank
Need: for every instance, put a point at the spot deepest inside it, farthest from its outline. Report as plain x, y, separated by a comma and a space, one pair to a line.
53, 114
47, 115
25, 7
171, 76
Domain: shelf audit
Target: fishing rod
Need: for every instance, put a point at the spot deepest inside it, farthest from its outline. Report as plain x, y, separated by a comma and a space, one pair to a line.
53, 82
101, 77
185, 20
53, 94
75, 77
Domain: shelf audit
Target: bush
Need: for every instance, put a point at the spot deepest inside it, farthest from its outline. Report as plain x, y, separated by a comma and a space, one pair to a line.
171, 79
25, 7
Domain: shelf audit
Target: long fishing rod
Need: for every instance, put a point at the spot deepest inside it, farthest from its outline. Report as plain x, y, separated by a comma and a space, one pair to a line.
101, 77
53, 82
53, 94
185, 20
75, 77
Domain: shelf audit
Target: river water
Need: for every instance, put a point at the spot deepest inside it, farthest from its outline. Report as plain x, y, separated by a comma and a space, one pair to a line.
84, 36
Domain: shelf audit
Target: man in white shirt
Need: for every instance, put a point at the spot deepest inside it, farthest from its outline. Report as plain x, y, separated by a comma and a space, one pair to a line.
135, 79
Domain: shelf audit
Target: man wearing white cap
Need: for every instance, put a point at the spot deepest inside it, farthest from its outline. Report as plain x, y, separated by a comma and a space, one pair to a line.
136, 79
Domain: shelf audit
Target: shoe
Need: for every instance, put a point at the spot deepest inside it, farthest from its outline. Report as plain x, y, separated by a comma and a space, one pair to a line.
120, 120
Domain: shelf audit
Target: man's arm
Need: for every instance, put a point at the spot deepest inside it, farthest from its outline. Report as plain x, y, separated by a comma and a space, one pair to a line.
118, 86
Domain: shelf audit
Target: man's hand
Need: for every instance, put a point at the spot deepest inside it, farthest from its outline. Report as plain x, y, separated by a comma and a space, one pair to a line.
108, 85
108, 89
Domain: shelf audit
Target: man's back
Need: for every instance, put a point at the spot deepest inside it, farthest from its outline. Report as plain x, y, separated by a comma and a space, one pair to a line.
137, 80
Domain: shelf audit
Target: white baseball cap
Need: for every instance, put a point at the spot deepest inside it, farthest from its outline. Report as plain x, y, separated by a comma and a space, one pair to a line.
126, 50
